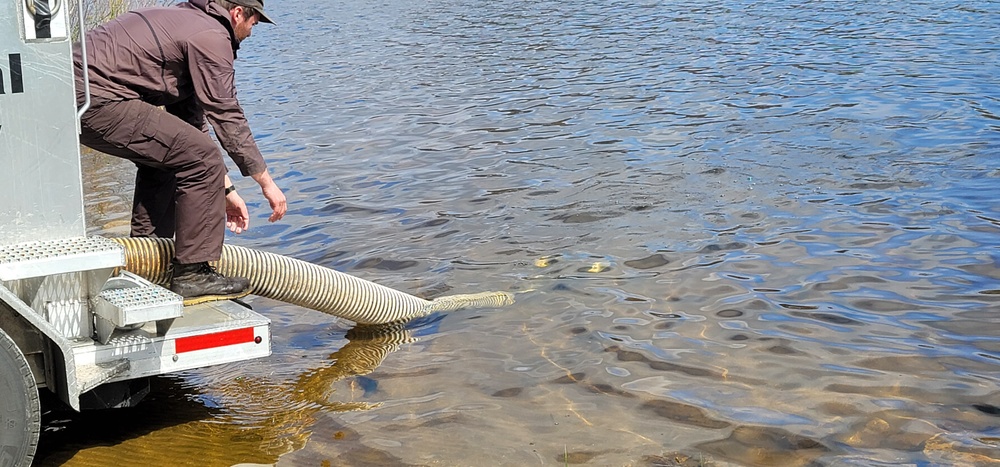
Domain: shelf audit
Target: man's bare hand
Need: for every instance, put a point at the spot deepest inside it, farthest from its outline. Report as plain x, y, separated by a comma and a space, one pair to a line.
277, 200
273, 194
237, 216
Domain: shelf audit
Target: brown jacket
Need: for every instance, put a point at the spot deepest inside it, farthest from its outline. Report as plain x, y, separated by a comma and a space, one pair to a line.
180, 57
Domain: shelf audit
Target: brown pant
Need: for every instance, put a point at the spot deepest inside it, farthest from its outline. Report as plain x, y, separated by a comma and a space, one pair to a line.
179, 182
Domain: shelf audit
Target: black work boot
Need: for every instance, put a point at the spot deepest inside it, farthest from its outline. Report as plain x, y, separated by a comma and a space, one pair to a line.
199, 283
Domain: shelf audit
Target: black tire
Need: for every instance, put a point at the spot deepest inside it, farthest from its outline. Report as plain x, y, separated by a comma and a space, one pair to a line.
20, 410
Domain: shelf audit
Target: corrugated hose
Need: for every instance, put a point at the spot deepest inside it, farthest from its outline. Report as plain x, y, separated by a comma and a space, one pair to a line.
305, 284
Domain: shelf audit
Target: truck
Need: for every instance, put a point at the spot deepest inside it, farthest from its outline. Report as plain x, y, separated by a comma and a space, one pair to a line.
73, 321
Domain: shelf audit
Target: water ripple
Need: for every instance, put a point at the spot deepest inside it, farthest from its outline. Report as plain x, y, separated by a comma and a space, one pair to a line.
751, 232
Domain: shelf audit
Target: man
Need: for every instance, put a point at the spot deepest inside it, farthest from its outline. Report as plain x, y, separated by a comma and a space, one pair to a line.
156, 75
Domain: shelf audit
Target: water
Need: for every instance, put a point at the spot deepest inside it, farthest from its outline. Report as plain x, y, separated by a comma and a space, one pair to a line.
738, 234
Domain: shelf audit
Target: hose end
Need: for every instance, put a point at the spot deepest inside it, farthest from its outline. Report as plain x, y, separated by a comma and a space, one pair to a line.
476, 300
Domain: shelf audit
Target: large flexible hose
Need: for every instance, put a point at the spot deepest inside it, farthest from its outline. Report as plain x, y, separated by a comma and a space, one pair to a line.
305, 284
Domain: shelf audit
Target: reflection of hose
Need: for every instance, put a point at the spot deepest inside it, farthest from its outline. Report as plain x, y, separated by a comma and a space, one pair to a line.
308, 285
366, 348
281, 414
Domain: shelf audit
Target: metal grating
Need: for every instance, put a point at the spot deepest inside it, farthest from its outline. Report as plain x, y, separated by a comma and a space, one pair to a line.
34, 259
132, 298
132, 305
38, 251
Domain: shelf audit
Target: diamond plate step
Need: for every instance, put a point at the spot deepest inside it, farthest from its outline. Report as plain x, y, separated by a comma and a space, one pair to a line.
138, 304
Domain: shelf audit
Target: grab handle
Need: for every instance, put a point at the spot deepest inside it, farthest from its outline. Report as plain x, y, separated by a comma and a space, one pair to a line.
83, 56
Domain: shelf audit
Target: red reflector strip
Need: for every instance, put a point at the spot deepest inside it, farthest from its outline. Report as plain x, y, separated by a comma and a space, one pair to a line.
209, 341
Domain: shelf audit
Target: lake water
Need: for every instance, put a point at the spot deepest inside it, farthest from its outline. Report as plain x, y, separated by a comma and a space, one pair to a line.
739, 233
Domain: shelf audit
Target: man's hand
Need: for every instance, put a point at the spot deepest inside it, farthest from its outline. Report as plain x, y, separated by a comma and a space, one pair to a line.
237, 216
277, 200
273, 194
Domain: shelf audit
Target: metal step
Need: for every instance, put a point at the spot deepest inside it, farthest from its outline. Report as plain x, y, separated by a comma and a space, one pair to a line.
128, 300
138, 304
36, 259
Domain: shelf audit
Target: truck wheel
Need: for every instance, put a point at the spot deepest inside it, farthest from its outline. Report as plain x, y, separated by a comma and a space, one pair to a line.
20, 412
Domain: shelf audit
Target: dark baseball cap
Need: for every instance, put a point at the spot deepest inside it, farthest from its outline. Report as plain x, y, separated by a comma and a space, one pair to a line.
257, 5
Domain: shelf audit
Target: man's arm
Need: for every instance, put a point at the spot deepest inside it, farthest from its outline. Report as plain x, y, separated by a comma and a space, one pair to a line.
211, 65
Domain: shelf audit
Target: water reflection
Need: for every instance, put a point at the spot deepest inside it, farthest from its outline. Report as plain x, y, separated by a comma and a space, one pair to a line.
279, 415
365, 350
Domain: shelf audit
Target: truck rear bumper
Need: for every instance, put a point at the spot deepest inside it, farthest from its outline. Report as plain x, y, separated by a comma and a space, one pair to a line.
206, 334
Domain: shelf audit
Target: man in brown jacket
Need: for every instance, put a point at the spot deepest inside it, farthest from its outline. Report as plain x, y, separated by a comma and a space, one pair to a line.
156, 75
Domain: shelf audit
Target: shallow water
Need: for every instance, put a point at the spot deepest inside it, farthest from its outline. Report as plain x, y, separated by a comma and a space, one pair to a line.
738, 234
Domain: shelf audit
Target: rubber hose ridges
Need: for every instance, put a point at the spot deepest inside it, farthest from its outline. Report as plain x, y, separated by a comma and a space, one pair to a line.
304, 284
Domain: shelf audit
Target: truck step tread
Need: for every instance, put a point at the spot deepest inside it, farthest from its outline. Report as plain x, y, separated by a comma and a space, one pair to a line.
42, 258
